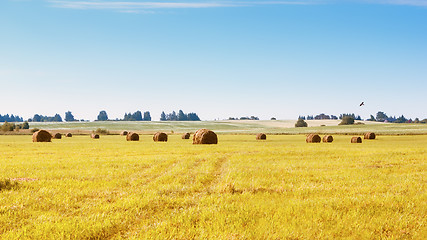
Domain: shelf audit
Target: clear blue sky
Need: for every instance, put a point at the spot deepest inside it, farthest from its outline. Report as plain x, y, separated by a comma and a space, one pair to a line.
219, 59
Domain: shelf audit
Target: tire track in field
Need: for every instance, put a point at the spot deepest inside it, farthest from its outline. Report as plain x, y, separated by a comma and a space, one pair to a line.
164, 170
218, 171
207, 188
119, 229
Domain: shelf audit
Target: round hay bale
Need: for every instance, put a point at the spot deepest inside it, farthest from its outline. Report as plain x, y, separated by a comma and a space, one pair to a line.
131, 136
313, 138
68, 135
261, 136
370, 135
42, 136
94, 136
205, 136
186, 136
328, 139
57, 136
308, 137
160, 137
356, 140
124, 133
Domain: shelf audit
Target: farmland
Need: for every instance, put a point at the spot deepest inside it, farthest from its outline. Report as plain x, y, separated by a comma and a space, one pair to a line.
281, 188
237, 127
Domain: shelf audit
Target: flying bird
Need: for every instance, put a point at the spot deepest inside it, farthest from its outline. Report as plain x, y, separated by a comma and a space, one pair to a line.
363, 103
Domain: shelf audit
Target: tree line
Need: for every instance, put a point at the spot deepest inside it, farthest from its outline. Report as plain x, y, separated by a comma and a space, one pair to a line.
323, 116
103, 116
348, 118
245, 118
181, 116
382, 117
41, 118
11, 118
136, 116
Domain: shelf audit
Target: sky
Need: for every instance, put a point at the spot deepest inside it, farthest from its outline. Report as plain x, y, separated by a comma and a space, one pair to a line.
219, 59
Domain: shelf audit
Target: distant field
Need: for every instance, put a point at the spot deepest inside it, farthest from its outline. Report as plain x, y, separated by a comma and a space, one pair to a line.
238, 127
281, 188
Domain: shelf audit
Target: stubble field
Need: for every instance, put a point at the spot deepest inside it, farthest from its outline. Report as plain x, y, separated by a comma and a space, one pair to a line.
281, 188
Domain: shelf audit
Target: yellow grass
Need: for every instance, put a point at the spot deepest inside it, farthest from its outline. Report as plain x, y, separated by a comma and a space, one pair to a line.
281, 188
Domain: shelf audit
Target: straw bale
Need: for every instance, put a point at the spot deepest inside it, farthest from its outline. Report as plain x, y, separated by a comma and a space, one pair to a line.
261, 136
205, 136
131, 136
160, 137
42, 136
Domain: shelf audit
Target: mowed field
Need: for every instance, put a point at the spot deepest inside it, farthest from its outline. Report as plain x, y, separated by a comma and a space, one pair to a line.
281, 188
234, 127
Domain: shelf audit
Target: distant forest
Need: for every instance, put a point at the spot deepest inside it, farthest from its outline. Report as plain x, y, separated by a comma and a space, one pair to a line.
323, 116
181, 116
380, 117
244, 118
136, 116
11, 118
103, 116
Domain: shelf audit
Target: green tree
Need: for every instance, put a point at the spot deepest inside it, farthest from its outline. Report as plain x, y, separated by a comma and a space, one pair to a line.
102, 116
147, 116
101, 131
193, 117
381, 117
69, 117
372, 118
182, 116
401, 119
7, 127
347, 120
127, 117
172, 116
163, 116
301, 123
25, 125
137, 116
57, 118
37, 118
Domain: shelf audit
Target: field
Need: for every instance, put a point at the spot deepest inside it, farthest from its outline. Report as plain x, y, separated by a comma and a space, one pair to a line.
237, 127
281, 188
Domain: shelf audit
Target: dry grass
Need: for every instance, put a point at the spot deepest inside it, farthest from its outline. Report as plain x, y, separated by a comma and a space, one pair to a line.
241, 188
